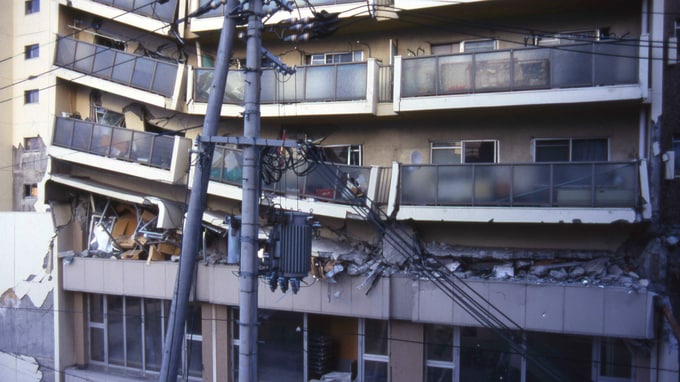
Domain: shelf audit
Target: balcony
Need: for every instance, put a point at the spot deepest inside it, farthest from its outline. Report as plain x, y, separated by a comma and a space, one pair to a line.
147, 15
138, 77
137, 153
325, 190
593, 72
351, 88
597, 192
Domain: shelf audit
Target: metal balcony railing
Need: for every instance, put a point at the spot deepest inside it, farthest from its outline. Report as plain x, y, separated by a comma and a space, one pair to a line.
150, 8
316, 83
139, 72
385, 83
581, 65
591, 184
114, 142
227, 167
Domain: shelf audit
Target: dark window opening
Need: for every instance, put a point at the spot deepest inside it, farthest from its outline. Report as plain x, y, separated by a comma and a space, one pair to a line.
30, 190
32, 6
571, 150
31, 51
31, 96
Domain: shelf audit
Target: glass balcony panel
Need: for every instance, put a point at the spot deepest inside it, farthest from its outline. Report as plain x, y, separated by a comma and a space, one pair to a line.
531, 185
164, 78
120, 144
454, 185
107, 2
455, 74
143, 73
101, 139
292, 89
82, 136
165, 12
419, 77
141, 147
103, 62
324, 182
320, 83
217, 166
202, 82
492, 184
66, 52
492, 71
351, 82
412, 180
616, 63
353, 183
84, 57
144, 7
122, 69
615, 184
572, 65
124, 4
161, 154
573, 184
236, 86
269, 86
217, 12
63, 132
531, 69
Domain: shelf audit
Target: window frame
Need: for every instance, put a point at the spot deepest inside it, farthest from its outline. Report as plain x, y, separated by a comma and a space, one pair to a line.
480, 48
371, 357
31, 96
31, 51
454, 364
31, 6
460, 145
570, 148
324, 58
354, 153
598, 342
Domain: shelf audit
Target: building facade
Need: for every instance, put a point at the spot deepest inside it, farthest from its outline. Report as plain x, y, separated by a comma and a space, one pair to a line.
491, 184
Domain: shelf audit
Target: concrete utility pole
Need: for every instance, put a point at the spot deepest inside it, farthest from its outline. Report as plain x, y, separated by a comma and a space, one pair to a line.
174, 339
247, 365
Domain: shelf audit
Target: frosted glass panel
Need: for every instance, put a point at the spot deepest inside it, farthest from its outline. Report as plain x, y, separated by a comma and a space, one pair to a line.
351, 82
320, 83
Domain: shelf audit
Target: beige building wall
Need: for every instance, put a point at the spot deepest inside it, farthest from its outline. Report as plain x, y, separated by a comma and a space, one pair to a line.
6, 79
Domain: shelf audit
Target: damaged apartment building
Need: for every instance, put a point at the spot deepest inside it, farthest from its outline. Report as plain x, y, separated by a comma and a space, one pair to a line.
511, 177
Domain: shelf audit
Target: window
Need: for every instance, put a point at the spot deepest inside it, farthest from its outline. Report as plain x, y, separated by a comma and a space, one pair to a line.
572, 37
440, 353
472, 151
571, 150
31, 51
613, 360
30, 190
443, 48
334, 58
342, 154
484, 356
108, 117
32, 6
32, 143
478, 46
128, 332
31, 96
373, 350
676, 149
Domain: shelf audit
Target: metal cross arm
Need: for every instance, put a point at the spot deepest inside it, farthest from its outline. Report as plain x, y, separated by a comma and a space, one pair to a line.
251, 141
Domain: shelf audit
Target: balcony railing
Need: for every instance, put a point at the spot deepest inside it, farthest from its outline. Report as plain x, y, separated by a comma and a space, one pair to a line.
139, 72
317, 83
582, 65
385, 83
150, 8
114, 142
600, 184
328, 183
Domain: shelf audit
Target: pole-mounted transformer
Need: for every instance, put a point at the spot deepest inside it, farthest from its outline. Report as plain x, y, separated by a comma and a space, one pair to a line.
290, 250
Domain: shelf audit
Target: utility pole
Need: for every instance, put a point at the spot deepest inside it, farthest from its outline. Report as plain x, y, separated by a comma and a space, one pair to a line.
247, 366
174, 339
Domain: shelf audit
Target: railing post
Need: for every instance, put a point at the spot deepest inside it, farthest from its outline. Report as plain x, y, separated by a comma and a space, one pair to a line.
394, 189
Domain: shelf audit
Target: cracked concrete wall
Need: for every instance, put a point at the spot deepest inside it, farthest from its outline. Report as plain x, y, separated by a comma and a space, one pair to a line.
26, 290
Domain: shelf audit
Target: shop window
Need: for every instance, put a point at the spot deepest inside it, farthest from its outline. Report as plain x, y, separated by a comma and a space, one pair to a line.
31, 96
571, 150
31, 51
484, 356
440, 354
32, 6
567, 356
613, 360
373, 350
469, 151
